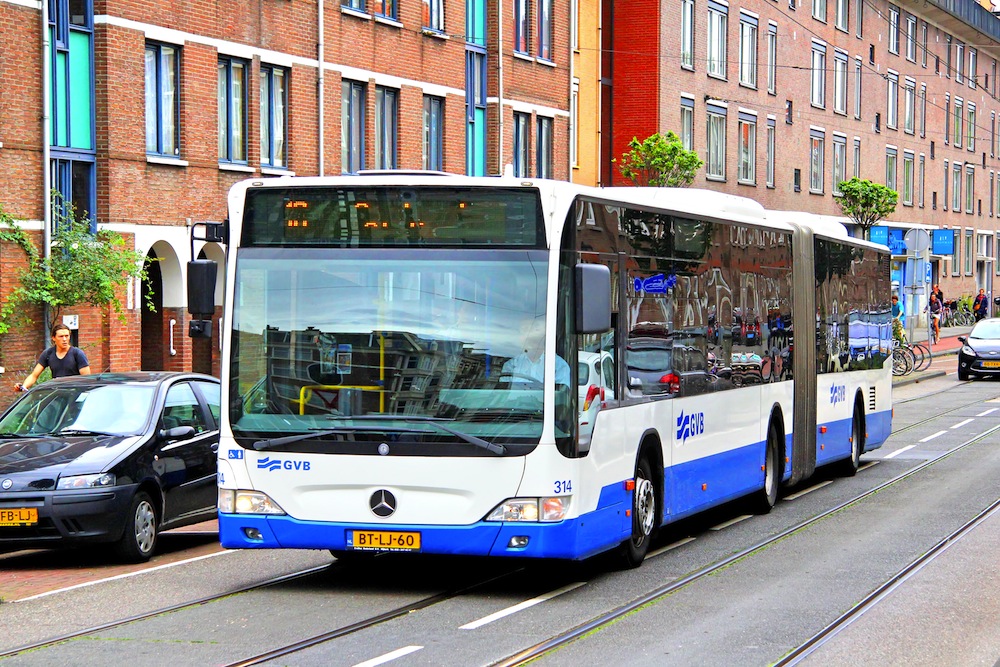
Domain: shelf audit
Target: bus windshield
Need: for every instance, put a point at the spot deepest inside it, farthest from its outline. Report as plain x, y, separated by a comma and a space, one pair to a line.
425, 351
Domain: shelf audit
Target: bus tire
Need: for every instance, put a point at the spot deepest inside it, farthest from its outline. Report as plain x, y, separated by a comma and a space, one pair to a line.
849, 466
645, 510
767, 497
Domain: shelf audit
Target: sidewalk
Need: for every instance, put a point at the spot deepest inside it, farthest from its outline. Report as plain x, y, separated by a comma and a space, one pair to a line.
947, 345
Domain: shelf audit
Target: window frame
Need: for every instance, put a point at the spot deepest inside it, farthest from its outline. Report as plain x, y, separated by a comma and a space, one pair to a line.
234, 126
277, 107
166, 121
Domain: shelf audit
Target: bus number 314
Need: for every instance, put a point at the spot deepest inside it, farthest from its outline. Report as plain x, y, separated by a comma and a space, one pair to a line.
563, 486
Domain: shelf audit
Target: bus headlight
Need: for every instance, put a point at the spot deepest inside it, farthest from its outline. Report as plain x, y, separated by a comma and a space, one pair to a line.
232, 501
531, 509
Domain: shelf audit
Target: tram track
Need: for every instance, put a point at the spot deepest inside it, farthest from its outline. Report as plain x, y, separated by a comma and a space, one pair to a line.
803, 651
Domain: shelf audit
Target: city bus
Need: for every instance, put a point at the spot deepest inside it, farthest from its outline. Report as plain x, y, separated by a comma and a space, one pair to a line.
422, 362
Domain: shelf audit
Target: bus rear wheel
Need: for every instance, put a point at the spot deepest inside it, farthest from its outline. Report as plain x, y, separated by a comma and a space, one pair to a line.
645, 510
851, 464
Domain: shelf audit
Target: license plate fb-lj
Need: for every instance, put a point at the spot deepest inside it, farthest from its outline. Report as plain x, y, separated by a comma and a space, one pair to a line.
19, 516
382, 540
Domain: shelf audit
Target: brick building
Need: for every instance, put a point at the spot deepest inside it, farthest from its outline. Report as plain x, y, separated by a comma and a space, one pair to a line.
148, 112
783, 99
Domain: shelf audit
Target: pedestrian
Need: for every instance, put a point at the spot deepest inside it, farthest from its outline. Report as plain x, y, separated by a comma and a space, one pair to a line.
62, 358
979, 306
898, 319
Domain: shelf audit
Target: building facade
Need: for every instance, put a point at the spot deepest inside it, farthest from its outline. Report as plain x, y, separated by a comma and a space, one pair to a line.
143, 114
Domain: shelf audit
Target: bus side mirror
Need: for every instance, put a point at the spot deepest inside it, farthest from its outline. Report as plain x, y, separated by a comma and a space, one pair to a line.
201, 275
593, 298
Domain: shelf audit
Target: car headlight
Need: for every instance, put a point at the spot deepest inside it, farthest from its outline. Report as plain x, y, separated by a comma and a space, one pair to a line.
233, 501
531, 509
966, 350
97, 481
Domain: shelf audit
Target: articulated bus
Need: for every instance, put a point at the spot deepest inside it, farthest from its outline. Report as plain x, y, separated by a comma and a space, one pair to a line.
418, 362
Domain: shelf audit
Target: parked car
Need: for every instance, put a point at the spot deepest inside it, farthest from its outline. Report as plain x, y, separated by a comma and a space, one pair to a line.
659, 366
115, 457
595, 385
980, 353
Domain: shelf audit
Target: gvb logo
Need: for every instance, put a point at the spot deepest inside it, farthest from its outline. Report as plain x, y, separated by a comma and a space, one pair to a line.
690, 425
838, 394
269, 464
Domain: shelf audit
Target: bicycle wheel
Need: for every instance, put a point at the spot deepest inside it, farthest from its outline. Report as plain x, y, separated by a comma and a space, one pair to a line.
902, 363
921, 356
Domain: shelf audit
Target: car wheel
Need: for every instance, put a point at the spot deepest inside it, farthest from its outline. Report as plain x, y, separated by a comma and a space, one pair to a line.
138, 541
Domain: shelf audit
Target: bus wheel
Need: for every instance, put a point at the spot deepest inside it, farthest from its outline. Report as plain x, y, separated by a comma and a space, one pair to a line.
645, 511
768, 496
851, 464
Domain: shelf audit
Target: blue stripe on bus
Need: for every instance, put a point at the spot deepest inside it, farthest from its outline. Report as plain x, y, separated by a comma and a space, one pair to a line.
836, 444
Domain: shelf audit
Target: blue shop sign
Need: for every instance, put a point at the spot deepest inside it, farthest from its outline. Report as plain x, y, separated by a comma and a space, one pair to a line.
943, 242
879, 234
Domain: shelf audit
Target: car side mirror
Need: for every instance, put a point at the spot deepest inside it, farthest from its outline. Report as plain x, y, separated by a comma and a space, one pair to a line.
962, 339
177, 433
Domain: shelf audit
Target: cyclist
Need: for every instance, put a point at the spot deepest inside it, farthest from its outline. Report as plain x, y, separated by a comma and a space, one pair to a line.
934, 308
898, 319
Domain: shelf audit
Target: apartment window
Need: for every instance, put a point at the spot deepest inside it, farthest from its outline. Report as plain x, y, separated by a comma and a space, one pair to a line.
521, 26
923, 43
817, 140
857, 88
386, 127
687, 123
909, 104
475, 110
972, 68
957, 245
947, 56
907, 191
386, 8
352, 127
921, 172
843, 8
273, 128
545, 29
574, 120
970, 126
74, 179
819, 10
522, 147
911, 38
543, 148
892, 100
959, 62
772, 57
717, 18
358, 5
839, 166
857, 158
715, 164
687, 34
232, 107
947, 175
748, 50
996, 244
993, 133
968, 252
770, 152
818, 85
923, 110
947, 118
859, 9
748, 149
840, 82
956, 186
893, 29
162, 117
970, 187
958, 119
433, 12
997, 148
433, 133
890, 168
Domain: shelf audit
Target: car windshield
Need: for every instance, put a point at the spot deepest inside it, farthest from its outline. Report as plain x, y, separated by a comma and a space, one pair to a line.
361, 347
113, 409
986, 329
647, 358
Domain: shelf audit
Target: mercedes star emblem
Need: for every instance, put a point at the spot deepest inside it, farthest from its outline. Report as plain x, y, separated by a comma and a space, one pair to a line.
382, 503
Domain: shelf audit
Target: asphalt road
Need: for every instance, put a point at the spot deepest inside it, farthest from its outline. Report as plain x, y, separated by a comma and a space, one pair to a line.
752, 612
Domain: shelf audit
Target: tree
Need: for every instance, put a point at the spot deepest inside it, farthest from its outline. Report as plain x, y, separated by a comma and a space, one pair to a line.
659, 161
83, 267
865, 202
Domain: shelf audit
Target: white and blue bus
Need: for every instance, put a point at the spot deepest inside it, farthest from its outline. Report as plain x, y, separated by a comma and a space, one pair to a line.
506, 367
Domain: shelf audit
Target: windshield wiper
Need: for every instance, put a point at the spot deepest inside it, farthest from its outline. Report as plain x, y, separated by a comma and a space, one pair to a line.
80, 431
435, 421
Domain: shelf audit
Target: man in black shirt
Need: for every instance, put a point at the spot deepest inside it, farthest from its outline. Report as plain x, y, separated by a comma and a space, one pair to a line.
62, 358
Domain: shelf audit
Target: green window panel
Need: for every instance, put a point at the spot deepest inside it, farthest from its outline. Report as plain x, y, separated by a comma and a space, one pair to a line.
81, 119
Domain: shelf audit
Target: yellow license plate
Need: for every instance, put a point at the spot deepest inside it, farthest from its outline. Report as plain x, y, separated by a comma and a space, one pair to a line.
991, 364
383, 540
21, 516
